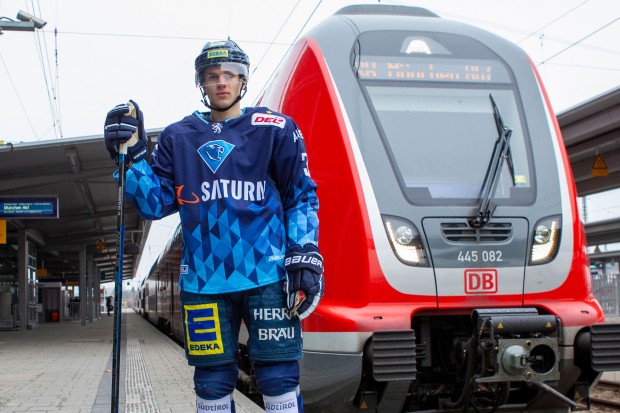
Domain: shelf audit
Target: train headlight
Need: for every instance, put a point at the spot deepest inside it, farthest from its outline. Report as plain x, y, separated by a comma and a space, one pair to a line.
404, 235
542, 235
405, 241
545, 239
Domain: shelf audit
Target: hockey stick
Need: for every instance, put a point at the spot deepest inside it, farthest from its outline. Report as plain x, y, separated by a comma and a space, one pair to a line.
118, 284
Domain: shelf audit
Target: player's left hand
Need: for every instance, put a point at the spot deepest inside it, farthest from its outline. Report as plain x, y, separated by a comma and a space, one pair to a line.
304, 284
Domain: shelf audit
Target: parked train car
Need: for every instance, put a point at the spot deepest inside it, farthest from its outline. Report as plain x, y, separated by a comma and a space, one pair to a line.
456, 268
158, 296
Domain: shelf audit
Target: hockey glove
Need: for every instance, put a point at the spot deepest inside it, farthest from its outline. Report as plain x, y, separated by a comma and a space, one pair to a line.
304, 285
119, 128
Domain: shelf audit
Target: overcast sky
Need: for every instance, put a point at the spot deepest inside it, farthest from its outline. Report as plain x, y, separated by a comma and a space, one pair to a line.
61, 81
106, 52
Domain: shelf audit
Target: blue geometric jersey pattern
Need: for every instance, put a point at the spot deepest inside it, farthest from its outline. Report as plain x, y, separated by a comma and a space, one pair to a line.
244, 195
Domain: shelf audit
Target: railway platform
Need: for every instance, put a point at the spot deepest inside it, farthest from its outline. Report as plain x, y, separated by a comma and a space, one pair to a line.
67, 367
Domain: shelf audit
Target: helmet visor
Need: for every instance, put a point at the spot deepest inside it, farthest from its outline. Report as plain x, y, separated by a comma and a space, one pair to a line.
225, 72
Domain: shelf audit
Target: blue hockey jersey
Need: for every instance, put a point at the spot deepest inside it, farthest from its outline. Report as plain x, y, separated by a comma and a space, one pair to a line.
244, 195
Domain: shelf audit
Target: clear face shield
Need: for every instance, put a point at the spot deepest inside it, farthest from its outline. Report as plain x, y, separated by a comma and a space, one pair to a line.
227, 72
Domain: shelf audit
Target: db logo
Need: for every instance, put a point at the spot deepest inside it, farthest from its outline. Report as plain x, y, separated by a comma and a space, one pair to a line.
481, 281
263, 119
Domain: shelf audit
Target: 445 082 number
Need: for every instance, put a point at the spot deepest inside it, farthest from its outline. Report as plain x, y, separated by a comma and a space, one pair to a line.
480, 256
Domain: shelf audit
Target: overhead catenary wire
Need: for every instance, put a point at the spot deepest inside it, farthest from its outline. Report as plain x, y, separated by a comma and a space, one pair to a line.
276, 36
44, 60
151, 36
57, 82
579, 41
19, 99
48, 88
612, 69
289, 47
527, 33
54, 79
552, 21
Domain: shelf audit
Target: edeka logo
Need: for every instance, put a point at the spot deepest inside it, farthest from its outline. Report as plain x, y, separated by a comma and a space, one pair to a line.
213, 54
214, 153
203, 334
263, 119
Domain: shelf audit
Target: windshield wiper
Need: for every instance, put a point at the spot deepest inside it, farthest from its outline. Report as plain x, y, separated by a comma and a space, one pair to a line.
501, 152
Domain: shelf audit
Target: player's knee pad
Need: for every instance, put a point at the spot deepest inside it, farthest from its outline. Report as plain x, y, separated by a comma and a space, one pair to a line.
215, 382
224, 405
275, 378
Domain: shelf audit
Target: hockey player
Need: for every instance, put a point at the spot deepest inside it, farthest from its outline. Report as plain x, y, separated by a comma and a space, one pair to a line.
239, 179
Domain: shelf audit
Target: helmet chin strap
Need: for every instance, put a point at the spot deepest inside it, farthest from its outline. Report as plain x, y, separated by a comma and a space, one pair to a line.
205, 101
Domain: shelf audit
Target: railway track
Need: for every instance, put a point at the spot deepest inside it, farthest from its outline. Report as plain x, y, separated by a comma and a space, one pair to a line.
605, 397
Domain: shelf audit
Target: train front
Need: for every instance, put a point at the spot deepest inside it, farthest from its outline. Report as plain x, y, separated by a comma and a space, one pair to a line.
456, 270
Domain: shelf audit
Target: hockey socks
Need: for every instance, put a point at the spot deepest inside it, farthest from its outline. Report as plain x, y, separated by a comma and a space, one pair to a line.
286, 403
224, 405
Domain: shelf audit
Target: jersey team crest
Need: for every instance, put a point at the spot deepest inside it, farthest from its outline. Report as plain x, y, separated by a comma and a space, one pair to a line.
214, 153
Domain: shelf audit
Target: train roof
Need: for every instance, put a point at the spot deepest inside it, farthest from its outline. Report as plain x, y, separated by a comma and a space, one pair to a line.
377, 9
382, 17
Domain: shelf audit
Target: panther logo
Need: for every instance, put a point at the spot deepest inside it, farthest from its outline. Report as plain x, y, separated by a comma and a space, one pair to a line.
214, 153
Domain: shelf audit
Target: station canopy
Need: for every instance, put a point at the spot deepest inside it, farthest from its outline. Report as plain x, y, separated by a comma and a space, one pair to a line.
591, 132
76, 175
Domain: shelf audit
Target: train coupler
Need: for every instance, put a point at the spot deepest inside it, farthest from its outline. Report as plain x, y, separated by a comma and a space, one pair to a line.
518, 345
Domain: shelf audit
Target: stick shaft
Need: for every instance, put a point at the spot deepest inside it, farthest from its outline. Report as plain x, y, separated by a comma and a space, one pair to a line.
118, 284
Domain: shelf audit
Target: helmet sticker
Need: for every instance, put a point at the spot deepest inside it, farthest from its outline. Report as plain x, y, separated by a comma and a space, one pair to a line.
213, 54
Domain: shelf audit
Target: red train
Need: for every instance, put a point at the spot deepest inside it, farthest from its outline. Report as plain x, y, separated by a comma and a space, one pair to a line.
456, 268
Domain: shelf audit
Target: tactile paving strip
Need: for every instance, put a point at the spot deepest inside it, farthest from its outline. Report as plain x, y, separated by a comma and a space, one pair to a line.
139, 393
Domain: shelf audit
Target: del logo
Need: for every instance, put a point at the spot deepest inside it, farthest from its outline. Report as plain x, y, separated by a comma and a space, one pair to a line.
214, 153
263, 119
481, 281
203, 334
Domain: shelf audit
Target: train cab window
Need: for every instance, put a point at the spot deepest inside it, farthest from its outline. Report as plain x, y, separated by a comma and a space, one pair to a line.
430, 96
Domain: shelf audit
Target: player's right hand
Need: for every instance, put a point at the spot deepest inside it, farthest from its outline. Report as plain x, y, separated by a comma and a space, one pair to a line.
120, 126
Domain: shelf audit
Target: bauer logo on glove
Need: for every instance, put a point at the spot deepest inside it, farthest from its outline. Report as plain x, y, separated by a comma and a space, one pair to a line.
304, 284
290, 261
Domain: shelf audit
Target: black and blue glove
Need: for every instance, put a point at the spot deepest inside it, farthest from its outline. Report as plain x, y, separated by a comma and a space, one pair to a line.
304, 284
121, 124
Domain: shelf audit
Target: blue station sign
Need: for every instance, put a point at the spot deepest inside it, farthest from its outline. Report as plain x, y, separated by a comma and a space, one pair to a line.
30, 207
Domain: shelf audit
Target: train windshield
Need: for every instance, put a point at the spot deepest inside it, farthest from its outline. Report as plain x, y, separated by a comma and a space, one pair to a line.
430, 101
